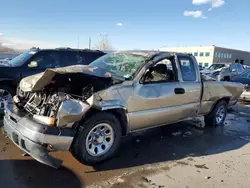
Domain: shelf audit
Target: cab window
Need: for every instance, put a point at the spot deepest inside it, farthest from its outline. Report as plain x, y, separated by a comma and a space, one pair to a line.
187, 67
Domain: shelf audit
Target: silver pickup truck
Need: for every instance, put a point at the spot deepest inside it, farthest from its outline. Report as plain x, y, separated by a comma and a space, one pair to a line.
87, 109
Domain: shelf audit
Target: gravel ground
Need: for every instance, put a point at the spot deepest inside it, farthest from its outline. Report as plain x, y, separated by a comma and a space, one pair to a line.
180, 155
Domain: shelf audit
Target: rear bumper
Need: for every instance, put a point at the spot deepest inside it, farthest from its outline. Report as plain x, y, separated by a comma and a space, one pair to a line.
34, 138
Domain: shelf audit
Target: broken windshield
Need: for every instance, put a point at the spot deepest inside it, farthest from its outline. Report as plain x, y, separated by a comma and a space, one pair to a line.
121, 64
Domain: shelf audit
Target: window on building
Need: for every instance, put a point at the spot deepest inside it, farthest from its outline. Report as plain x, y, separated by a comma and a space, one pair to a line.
206, 64
201, 64
196, 54
221, 55
230, 56
201, 54
225, 55
218, 54
207, 54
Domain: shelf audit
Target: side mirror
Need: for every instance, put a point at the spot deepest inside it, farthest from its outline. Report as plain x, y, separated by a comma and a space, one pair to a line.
33, 64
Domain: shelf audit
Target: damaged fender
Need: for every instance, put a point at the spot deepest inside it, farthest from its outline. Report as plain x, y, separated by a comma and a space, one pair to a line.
71, 111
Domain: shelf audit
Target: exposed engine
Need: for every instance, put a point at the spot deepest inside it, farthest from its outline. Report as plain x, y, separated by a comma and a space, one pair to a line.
63, 97
47, 103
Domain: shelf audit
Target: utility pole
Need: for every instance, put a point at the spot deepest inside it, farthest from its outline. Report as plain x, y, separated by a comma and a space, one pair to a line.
89, 42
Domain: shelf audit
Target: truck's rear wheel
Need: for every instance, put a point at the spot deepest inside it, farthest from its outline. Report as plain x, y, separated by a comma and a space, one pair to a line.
98, 138
218, 114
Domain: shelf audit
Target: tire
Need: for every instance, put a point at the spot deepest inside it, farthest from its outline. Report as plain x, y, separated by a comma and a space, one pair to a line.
227, 79
212, 118
79, 147
9, 89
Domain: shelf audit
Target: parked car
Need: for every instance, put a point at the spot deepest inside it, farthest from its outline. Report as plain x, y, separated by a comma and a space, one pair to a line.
87, 109
37, 60
201, 67
244, 78
224, 72
213, 68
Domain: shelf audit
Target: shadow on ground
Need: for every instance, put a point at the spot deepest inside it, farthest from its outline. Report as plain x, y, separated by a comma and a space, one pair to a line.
175, 142
31, 174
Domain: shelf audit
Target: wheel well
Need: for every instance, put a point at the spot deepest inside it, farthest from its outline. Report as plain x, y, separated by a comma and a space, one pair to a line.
9, 83
227, 99
120, 114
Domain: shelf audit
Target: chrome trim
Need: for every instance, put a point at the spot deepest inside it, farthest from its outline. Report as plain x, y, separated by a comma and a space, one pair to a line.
113, 107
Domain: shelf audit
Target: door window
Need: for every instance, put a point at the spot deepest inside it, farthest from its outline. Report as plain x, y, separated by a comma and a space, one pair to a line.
162, 71
68, 58
187, 67
233, 67
47, 59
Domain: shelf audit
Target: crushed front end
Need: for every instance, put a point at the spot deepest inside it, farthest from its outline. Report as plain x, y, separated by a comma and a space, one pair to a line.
35, 138
46, 119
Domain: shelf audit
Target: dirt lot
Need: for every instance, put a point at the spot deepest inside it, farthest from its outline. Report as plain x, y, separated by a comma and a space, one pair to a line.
181, 155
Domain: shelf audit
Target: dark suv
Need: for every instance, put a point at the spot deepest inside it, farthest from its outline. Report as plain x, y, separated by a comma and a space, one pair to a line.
38, 60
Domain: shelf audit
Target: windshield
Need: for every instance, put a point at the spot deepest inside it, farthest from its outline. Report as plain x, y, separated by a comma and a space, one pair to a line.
245, 74
121, 64
21, 59
216, 66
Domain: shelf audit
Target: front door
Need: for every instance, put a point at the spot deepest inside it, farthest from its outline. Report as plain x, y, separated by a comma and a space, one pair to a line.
163, 98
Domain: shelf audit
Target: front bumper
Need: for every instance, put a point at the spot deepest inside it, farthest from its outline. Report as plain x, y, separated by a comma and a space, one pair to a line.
34, 138
245, 96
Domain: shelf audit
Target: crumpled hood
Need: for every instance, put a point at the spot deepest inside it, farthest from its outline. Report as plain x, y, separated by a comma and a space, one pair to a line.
39, 81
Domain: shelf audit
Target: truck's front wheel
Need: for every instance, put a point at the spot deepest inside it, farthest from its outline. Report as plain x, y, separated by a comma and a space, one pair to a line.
98, 138
218, 114
6, 93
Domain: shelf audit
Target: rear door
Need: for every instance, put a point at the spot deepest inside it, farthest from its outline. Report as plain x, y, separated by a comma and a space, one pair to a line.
190, 82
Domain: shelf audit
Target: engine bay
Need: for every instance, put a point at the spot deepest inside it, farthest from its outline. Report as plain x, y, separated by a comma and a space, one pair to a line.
63, 87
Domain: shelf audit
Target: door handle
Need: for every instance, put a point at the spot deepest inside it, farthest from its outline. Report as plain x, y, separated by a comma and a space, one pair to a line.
179, 91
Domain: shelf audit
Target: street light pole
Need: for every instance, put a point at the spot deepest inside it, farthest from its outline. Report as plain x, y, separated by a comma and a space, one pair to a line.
89, 42
104, 40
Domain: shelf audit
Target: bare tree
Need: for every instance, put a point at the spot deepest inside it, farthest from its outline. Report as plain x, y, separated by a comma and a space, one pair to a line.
104, 44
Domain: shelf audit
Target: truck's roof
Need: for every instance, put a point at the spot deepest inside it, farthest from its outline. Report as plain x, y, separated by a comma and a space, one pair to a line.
66, 49
149, 53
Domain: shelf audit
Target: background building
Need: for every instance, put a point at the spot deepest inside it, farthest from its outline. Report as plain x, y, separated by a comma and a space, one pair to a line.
207, 55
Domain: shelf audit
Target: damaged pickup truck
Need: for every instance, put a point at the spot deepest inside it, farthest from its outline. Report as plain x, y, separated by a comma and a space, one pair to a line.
86, 109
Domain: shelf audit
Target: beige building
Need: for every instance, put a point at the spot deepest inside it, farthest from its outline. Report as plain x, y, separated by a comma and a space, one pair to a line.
207, 55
